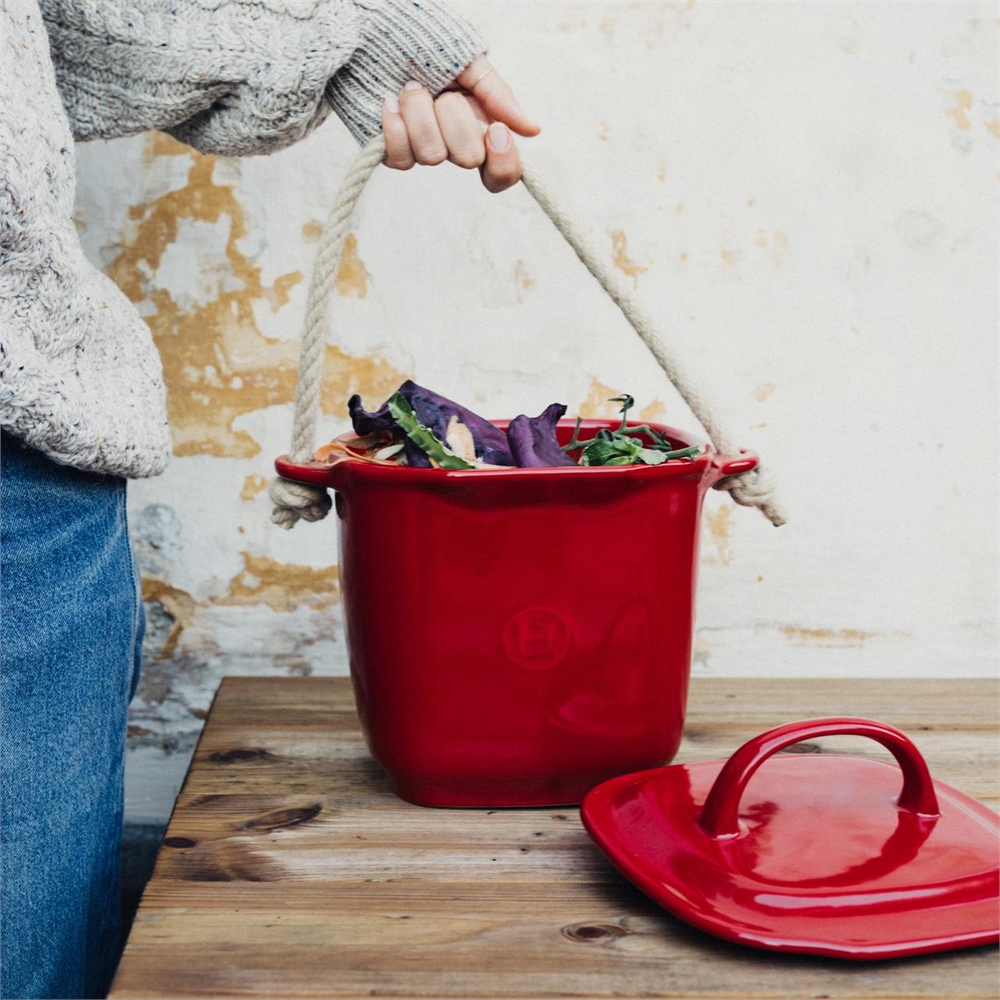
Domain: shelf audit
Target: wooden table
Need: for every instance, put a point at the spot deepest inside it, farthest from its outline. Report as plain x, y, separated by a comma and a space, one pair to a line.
289, 868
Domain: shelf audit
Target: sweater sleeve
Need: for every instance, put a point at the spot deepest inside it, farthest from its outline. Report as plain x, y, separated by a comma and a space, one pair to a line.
239, 77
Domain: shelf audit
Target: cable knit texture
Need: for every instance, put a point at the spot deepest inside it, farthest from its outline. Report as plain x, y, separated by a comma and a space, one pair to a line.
79, 375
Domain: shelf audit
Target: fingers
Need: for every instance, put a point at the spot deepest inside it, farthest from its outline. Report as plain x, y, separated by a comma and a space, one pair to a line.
420, 129
494, 94
416, 107
398, 153
461, 130
502, 168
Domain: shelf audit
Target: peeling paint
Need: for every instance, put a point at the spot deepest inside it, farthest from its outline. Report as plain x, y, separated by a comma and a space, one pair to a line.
282, 586
312, 230
597, 405
825, 636
762, 391
522, 279
179, 607
252, 486
720, 526
279, 293
352, 275
780, 248
218, 365
994, 128
959, 113
777, 243
621, 259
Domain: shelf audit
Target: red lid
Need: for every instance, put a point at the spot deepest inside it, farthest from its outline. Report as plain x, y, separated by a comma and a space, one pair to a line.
819, 853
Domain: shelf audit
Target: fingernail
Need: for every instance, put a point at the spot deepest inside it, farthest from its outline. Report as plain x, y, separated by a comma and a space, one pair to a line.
392, 105
499, 137
412, 85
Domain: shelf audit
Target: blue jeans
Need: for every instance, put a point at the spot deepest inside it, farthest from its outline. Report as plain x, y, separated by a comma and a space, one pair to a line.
70, 631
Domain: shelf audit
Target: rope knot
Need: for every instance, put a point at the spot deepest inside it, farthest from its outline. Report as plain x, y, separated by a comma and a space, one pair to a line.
297, 501
754, 489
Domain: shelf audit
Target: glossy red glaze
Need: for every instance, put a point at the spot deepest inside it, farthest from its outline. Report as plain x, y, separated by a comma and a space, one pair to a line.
831, 855
517, 636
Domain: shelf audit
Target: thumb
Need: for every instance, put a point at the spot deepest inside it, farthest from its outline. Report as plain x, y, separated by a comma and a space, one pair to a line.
495, 96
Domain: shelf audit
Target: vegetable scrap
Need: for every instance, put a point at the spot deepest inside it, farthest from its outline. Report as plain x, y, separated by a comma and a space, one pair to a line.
422, 429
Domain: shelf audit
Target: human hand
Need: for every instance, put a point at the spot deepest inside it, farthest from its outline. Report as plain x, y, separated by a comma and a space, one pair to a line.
470, 125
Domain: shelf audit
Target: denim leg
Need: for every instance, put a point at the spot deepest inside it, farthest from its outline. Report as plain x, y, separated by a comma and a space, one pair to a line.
69, 628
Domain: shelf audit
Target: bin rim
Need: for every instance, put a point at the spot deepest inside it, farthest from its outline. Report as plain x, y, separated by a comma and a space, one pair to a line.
709, 464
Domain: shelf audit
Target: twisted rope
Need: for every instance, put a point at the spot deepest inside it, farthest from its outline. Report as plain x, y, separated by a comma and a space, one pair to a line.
293, 501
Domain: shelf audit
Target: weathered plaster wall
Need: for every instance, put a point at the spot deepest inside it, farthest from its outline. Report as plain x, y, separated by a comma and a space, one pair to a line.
803, 194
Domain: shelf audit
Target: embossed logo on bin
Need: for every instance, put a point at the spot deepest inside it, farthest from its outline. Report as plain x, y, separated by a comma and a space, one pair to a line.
536, 638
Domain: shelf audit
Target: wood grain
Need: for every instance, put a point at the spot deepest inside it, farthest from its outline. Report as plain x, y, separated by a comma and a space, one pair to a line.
289, 868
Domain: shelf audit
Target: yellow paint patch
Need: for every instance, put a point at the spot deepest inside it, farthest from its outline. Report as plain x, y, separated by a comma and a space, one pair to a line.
252, 486
963, 103
777, 243
177, 603
604, 132
621, 259
282, 586
661, 171
720, 526
521, 275
684, 256
312, 230
217, 363
994, 128
763, 391
729, 256
655, 413
278, 294
161, 144
352, 275
825, 636
779, 249
598, 406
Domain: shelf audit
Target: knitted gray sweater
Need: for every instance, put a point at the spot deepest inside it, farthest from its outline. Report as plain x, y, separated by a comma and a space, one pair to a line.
79, 375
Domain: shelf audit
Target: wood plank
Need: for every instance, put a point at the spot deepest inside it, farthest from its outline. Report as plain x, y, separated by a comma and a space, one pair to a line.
290, 869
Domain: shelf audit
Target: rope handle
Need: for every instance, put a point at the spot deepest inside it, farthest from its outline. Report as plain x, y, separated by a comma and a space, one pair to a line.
293, 501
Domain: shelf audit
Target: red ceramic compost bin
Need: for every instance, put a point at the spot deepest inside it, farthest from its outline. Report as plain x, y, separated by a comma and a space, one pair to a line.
517, 636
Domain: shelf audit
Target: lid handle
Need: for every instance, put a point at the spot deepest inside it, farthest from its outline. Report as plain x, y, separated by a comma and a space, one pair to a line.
720, 814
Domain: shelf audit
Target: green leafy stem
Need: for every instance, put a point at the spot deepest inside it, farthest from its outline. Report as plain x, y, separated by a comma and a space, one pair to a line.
623, 447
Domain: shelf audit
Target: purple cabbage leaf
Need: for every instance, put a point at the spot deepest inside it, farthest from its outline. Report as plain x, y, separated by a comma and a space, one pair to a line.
435, 412
533, 440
